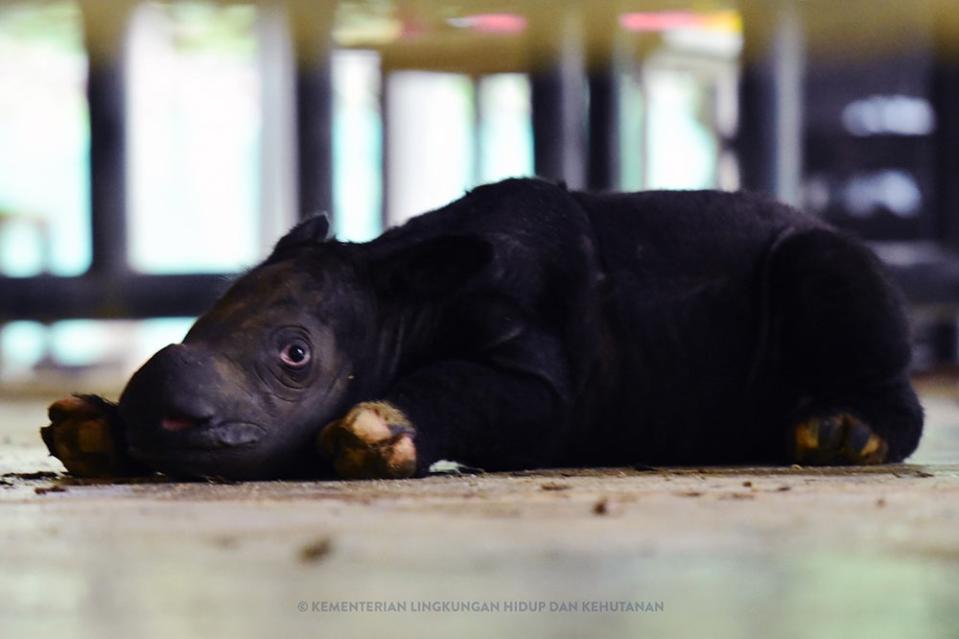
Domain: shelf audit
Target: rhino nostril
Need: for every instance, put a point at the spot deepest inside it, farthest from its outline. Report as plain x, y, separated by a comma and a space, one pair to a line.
177, 424
175, 421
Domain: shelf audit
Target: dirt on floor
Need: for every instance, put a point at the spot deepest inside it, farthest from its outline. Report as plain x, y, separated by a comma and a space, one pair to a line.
712, 552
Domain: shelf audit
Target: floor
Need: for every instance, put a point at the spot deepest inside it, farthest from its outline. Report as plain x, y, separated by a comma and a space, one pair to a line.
726, 552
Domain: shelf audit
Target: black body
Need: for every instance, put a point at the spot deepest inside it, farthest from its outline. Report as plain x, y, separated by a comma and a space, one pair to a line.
527, 326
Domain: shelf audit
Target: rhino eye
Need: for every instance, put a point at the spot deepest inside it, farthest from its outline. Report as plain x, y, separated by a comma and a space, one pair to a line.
295, 355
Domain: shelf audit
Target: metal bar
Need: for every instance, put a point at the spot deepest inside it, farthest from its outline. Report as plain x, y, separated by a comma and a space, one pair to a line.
931, 278
944, 96
311, 26
479, 150
604, 162
604, 47
48, 298
945, 104
769, 139
385, 97
105, 96
558, 95
314, 138
277, 162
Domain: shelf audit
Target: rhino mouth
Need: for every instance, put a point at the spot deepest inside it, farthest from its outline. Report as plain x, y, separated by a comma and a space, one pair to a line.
234, 450
179, 435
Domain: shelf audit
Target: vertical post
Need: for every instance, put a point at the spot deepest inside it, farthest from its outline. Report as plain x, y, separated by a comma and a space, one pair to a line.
604, 52
279, 208
312, 25
944, 95
769, 140
479, 150
104, 24
558, 93
603, 171
945, 104
386, 104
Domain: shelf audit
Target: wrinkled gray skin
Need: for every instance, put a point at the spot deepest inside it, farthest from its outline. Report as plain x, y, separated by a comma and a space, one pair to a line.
225, 403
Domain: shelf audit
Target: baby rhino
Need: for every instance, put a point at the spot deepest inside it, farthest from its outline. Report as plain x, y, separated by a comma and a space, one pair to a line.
526, 326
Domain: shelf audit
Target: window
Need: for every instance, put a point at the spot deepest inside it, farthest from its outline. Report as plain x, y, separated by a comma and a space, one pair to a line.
44, 139
194, 121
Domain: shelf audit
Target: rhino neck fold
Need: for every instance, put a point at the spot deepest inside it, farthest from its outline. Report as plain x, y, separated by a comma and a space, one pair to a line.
408, 339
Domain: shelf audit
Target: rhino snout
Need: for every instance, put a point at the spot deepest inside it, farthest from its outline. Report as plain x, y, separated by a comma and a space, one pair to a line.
175, 395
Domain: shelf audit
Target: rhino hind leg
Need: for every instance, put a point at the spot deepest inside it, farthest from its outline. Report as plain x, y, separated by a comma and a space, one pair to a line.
837, 439
374, 440
842, 350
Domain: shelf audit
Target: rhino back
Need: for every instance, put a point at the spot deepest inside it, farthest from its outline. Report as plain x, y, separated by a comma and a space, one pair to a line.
654, 298
685, 311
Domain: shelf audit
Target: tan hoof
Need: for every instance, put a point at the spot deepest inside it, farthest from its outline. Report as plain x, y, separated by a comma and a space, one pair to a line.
80, 435
837, 440
373, 441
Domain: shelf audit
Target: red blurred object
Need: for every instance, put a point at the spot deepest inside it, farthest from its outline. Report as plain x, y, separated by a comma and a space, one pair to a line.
660, 21
491, 22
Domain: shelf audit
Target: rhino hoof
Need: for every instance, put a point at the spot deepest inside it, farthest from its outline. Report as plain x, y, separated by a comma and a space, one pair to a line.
837, 439
81, 436
373, 441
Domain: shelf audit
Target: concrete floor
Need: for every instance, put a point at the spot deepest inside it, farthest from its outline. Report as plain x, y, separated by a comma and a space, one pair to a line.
796, 552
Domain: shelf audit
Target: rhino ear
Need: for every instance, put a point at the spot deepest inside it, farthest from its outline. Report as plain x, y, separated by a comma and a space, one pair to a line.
433, 267
313, 230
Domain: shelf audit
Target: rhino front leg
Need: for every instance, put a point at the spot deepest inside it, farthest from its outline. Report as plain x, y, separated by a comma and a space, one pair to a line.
374, 440
463, 411
86, 434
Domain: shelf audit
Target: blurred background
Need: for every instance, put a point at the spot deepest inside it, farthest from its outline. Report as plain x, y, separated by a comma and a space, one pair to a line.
151, 150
